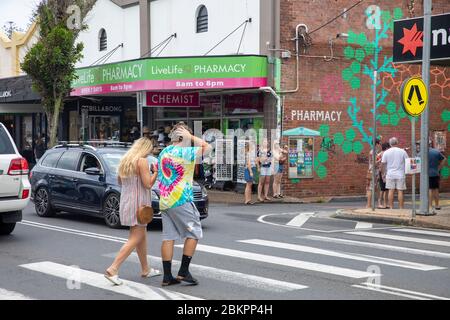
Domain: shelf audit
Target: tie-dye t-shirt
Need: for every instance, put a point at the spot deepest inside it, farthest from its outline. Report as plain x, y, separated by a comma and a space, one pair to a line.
175, 175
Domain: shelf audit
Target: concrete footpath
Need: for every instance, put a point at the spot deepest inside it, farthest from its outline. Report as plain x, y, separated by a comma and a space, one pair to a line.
440, 220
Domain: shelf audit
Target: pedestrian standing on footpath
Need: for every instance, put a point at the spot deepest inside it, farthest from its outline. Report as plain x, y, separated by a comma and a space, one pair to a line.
250, 171
393, 166
435, 164
369, 178
136, 181
264, 158
180, 217
280, 158
382, 199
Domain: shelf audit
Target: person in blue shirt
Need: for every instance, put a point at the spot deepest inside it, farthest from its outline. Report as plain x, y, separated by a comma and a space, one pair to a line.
435, 163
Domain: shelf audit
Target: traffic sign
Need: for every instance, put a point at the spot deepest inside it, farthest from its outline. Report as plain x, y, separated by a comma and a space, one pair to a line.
414, 96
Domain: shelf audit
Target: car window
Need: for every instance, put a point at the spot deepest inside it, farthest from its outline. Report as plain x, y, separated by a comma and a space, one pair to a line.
113, 160
51, 159
6, 147
89, 161
69, 160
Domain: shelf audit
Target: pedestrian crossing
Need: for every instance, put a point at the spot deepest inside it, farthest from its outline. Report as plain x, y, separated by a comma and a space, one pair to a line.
307, 256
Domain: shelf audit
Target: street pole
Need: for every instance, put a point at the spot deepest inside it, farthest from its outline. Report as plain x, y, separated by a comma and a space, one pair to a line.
413, 153
374, 140
424, 126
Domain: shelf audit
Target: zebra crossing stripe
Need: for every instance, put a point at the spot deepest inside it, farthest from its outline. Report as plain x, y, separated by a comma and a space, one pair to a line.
380, 246
286, 262
238, 278
400, 238
12, 295
358, 257
399, 292
93, 279
300, 219
425, 232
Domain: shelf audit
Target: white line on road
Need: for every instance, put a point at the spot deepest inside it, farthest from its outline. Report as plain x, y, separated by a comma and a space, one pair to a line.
73, 231
399, 292
300, 220
363, 225
400, 238
237, 278
343, 255
12, 295
378, 246
317, 267
93, 279
426, 232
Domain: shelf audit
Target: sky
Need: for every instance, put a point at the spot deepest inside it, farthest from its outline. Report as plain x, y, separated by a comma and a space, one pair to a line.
19, 11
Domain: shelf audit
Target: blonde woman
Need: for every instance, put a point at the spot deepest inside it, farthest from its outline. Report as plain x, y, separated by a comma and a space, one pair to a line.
136, 181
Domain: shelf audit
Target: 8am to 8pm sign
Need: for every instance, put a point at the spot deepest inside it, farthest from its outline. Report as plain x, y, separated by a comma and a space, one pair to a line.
172, 99
408, 39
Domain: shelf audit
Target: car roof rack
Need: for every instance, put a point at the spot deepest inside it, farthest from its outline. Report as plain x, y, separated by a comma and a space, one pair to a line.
93, 145
73, 144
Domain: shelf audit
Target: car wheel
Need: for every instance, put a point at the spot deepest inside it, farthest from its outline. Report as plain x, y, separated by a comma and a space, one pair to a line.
6, 228
111, 207
42, 203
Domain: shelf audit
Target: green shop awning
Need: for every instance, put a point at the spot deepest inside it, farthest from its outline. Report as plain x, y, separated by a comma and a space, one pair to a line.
178, 73
301, 131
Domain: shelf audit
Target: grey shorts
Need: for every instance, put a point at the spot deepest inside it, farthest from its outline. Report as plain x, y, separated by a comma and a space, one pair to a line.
181, 222
393, 184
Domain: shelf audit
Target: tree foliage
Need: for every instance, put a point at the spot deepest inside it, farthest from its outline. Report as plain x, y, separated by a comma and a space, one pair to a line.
51, 61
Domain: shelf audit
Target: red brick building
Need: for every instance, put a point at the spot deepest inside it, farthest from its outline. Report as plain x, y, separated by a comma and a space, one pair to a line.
335, 94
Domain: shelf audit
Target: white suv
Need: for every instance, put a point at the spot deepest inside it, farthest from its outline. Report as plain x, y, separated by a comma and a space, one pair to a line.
14, 184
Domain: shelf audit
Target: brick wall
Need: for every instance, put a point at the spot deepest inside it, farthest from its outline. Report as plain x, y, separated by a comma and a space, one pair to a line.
323, 87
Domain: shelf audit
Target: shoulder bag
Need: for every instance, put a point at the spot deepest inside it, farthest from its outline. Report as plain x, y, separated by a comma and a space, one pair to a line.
144, 213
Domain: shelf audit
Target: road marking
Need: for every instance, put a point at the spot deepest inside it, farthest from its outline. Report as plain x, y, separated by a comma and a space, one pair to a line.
93, 279
426, 232
300, 220
363, 225
399, 292
378, 246
317, 267
73, 231
344, 255
12, 295
236, 278
400, 238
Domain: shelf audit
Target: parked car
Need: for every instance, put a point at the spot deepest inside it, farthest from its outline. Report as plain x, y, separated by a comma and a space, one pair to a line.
83, 179
14, 184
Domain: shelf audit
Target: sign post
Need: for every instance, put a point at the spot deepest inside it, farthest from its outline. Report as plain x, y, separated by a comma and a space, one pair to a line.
424, 126
374, 140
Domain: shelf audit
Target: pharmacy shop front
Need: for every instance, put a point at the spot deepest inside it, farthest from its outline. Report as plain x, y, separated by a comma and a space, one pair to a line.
223, 92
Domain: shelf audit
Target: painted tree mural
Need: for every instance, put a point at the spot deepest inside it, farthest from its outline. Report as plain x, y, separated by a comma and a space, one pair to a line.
366, 56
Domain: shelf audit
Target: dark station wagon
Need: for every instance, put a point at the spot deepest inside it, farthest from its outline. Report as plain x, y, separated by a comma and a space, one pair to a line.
83, 179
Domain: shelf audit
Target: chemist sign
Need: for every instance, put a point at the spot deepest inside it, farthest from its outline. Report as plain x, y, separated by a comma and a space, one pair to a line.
414, 95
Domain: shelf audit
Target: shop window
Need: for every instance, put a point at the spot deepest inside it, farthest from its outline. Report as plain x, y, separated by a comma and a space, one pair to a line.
202, 19
239, 104
103, 40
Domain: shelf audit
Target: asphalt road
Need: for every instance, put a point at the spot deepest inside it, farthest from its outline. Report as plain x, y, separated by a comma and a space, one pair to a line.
266, 251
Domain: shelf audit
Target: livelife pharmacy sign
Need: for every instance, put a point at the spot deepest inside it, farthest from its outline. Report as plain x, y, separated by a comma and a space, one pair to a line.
172, 74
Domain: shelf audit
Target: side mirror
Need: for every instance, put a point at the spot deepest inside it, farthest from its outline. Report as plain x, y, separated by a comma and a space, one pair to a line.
93, 171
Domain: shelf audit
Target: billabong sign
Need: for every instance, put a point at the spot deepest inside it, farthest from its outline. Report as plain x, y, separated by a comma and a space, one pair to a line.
5, 94
408, 39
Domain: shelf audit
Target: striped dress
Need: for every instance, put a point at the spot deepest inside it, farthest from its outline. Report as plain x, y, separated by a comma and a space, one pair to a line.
133, 196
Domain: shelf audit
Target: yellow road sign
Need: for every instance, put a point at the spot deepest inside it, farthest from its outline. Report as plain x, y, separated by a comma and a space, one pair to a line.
414, 96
